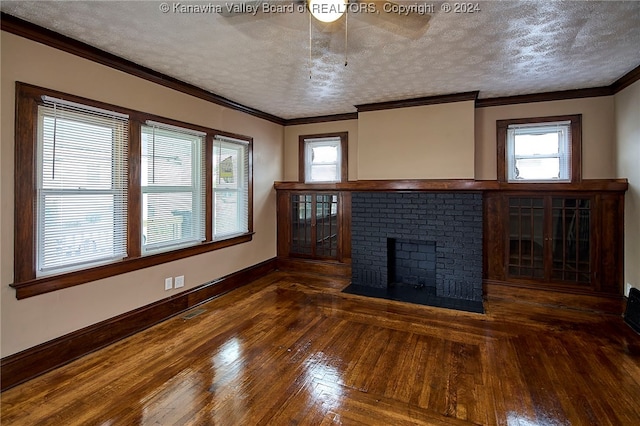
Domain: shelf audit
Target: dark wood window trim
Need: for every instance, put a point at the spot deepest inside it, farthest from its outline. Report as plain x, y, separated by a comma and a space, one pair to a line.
28, 97
344, 153
575, 144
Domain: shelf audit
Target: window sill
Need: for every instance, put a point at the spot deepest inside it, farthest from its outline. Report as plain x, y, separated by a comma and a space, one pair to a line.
48, 284
519, 181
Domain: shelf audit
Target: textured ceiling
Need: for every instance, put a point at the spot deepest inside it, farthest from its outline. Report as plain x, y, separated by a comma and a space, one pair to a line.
505, 48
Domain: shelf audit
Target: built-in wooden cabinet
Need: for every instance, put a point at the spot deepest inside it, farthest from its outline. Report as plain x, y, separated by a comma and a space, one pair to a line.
565, 240
550, 238
314, 225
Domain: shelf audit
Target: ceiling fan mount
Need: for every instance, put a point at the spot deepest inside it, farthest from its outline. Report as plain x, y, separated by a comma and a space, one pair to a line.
406, 19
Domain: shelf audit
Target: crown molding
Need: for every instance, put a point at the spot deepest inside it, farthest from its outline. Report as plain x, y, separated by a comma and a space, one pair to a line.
321, 119
626, 80
593, 92
545, 97
428, 100
56, 40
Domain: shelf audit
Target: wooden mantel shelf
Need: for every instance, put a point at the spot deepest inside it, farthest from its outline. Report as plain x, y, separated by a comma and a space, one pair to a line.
455, 185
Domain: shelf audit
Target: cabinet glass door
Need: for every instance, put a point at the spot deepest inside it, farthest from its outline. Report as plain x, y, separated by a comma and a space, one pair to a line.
550, 239
571, 240
526, 237
301, 221
314, 225
326, 238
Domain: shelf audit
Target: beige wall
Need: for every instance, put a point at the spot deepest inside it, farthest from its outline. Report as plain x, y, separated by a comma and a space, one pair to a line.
425, 142
429, 142
598, 133
598, 145
291, 134
31, 321
627, 104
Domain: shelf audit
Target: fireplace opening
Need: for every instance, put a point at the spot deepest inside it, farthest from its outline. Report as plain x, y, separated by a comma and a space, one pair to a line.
411, 262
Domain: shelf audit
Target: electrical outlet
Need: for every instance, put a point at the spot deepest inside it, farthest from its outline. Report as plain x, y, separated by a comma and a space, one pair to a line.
168, 283
180, 281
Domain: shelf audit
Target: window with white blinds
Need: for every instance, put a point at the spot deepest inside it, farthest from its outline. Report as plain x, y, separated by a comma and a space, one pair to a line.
539, 152
173, 187
102, 190
81, 186
230, 187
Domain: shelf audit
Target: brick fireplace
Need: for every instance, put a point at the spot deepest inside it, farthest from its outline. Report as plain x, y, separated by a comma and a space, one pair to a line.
428, 241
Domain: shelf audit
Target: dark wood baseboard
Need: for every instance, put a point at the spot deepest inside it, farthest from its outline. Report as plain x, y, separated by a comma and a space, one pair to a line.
319, 267
507, 291
32, 362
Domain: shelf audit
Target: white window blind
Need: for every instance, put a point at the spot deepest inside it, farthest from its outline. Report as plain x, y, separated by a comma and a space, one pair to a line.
82, 186
322, 159
539, 152
173, 187
230, 187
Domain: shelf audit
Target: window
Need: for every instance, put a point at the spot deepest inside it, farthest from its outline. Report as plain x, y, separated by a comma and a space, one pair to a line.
173, 187
539, 152
323, 158
230, 186
102, 190
543, 149
81, 186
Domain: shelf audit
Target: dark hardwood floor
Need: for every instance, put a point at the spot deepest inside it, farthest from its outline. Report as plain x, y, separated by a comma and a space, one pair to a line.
290, 349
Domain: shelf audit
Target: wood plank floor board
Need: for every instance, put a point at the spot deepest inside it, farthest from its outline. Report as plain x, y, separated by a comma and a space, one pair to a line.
585, 386
509, 393
358, 358
406, 378
291, 349
424, 365
435, 386
357, 408
305, 360
536, 365
387, 365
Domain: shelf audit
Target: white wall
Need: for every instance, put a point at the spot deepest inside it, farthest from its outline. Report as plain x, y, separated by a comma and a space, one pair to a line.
627, 107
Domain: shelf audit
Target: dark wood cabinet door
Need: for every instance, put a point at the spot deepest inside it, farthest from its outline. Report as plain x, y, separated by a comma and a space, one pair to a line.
526, 238
552, 239
571, 249
302, 207
315, 225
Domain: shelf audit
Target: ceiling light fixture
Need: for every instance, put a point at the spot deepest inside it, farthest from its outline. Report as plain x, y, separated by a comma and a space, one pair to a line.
327, 10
